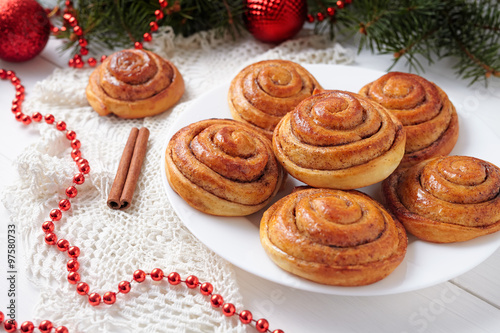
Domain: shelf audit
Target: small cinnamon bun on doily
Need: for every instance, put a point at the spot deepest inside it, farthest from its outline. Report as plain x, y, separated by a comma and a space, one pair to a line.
446, 199
223, 167
333, 237
338, 139
262, 93
134, 84
424, 109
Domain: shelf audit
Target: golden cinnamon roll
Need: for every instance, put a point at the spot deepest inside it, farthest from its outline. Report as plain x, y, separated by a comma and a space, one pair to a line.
134, 84
333, 237
338, 139
262, 93
446, 199
424, 109
223, 167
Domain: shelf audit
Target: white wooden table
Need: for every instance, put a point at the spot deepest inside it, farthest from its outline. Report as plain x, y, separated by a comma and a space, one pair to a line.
468, 303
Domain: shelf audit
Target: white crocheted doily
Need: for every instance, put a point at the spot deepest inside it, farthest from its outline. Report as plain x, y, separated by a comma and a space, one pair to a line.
148, 234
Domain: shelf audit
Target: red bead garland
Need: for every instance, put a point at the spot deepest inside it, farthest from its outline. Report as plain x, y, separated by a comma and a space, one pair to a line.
63, 245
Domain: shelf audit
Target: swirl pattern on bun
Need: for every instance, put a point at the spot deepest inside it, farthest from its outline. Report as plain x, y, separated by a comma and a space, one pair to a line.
446, 199
223, 167
262, 93
333, 237
134, 84
338, 139
424, 109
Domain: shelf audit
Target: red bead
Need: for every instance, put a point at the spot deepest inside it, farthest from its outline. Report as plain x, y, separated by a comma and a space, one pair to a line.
63, 29
192, 282
85, 168
206, 288
83, 42
74, 251
246, 317
153, 26
18, 115
3, 74
330, 11
79, 63
75, 144
27, 327
174, 278
55, 30
75, 153
139, 276
138, 45
72, 21
67, 16
15, 108
124, 287
228, 309
82, 288
10, 74
10, 325
157, 274
320, 17
62, 245
48, 226
92, 61
61, 125
78, 30
19, 95
70, 135
15, 80
71, 62
147, 37
26, 119
109, 297
163, 3
262, 325
2, 317
158, 14
20, 87
45, 326
103, 57
84, 51
61, 329
73, 277
55, 214
49, 119
68, 3
71, 192
94, 299
50, 238
278, 331
79, 179
340, 4
64, 204
73, 265
216, 300
36, 116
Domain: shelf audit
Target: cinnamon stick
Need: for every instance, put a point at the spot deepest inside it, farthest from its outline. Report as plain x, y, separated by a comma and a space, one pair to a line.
129, 169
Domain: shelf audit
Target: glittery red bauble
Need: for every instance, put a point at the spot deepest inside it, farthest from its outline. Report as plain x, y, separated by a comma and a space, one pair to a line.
24, 29
274, 20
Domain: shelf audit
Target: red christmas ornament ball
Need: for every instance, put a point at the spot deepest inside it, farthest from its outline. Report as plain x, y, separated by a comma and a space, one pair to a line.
274, 21
24, 29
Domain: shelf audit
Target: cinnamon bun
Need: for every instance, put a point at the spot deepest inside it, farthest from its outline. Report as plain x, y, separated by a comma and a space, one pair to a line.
134, 84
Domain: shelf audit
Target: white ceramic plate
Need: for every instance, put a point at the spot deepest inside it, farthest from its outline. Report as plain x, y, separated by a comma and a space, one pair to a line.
237, 239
